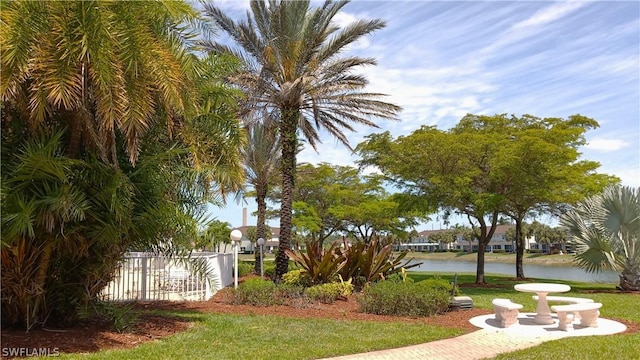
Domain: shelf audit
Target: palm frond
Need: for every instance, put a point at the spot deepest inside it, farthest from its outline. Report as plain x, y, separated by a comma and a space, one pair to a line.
606, 229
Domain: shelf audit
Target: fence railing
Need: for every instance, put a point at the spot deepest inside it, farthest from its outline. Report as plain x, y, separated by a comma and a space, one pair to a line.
147, 276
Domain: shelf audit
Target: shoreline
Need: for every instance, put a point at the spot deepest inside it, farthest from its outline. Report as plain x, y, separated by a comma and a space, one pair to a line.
565, 260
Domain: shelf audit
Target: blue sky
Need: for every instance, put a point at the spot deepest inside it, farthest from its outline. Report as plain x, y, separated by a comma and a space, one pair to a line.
440, 60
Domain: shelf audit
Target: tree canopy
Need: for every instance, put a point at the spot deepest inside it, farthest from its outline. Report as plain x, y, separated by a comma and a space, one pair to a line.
490, 165
332, 200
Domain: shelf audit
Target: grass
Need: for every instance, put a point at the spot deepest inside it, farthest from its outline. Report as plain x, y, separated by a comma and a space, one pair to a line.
223, 336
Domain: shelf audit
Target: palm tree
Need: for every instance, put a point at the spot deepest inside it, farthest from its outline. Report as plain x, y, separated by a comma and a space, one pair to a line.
261, 162
606, 230
102, 67
294, 71
83, 80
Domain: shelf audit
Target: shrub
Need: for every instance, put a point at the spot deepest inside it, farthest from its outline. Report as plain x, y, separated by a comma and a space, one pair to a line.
367, 262
296, 277
290, 291
322, 265
256, 292
122, 316
437, 283
329, 293
425, 298
244, 268
269, 269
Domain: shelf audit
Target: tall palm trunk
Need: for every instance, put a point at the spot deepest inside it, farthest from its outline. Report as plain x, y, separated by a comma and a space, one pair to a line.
288, 128
261, 195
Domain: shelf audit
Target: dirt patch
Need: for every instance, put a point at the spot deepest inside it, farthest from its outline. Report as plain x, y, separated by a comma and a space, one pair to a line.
612, 291
91, 337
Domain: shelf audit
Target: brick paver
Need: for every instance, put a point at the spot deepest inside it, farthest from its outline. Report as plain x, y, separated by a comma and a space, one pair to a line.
487, 342
476, 345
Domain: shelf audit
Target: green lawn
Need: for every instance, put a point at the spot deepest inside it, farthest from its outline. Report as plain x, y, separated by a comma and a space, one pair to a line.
224, 336
217, 336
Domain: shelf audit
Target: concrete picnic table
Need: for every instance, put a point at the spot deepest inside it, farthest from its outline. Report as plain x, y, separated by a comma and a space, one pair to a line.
543, 313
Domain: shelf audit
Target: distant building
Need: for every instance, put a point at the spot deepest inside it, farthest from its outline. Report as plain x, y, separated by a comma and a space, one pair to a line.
499, 242
270, 244
246, 246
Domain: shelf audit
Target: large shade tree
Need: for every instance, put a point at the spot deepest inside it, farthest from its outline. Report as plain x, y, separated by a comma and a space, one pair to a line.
453, 170
296, 74
319, 188
539, 165
486, 166
606, 231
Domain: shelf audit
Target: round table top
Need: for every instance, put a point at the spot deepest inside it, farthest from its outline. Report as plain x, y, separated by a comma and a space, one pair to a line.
542, 287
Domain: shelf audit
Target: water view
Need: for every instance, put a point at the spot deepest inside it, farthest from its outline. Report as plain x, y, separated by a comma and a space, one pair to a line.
530, 271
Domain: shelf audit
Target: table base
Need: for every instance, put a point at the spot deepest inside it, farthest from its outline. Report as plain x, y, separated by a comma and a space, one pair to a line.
543, 319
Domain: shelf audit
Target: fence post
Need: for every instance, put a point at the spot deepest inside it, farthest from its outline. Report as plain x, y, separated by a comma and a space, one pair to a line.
207, 280
144, 276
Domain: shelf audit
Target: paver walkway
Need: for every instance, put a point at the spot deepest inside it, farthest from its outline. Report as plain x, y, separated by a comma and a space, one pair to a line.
476, 345
489, 341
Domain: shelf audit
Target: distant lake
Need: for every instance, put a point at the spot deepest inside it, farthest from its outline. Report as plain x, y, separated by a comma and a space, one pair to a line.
530, 271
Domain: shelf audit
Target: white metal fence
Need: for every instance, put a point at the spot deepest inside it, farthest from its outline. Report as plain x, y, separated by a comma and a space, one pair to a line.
147, 276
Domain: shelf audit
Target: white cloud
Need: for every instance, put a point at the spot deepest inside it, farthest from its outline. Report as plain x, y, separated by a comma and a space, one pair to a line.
550, 14
233, 4
606, 145
343, 19
531, 30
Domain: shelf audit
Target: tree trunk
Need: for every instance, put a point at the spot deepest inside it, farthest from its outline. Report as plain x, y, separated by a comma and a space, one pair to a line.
75, 134
288, 128
486, 233
519, 249
261, 194
480, 263
629, 281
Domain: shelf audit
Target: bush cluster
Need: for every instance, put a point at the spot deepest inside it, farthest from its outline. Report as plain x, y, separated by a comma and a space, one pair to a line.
297, 277
245, 268
261, 292
256, 292
406, 298
329, 293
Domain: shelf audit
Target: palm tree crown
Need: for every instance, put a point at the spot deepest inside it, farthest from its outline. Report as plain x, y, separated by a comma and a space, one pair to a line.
294, 75
606, 229
103, 67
